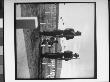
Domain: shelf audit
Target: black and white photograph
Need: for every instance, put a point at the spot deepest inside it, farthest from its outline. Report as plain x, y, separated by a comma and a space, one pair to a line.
55, 40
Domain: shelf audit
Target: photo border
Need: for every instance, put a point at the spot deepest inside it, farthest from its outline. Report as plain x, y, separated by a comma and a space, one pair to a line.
102, 12
95, 43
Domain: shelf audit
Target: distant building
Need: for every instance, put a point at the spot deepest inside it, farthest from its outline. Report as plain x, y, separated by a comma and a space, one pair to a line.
58, 68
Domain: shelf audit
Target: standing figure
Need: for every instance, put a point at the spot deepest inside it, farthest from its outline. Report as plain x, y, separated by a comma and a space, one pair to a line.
68, 33
66, 55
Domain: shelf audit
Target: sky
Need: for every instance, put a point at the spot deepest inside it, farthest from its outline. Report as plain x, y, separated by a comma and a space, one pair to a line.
79, 16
